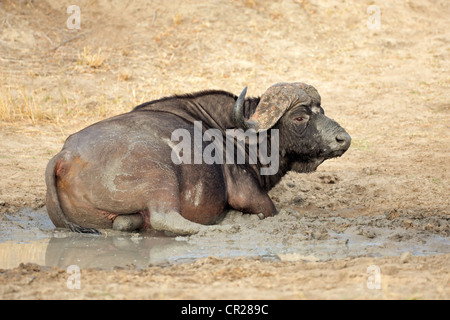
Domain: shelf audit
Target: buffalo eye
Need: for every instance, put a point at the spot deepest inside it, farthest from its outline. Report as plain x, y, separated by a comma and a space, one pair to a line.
300, 119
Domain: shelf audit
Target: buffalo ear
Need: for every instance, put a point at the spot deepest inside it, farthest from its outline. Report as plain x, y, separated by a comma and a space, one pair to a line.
274, 103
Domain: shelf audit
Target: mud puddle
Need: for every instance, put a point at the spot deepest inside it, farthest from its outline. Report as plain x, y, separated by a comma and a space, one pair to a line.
29, 236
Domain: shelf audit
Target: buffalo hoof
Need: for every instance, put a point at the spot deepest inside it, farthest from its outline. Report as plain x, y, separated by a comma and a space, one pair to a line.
129, 222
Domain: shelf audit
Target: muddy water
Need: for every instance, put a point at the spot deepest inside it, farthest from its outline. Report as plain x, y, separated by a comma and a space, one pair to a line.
29, 236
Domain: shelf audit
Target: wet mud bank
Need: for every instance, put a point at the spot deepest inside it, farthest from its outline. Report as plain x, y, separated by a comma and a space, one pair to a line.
307, 235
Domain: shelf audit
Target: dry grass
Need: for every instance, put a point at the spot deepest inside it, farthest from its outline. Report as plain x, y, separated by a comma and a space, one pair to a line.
20, 103
90, 58
177, 19
125, 74
17, 103
57, 101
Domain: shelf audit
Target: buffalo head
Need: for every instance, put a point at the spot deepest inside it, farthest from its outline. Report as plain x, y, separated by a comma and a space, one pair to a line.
307, 136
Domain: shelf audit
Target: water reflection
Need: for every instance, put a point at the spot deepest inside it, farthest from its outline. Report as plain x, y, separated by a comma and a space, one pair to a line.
63, 249
117, 250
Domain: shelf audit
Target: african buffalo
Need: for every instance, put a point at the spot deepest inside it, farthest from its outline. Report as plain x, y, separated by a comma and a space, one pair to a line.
119, 173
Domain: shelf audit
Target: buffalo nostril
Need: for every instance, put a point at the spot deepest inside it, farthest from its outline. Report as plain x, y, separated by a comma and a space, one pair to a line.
344, 139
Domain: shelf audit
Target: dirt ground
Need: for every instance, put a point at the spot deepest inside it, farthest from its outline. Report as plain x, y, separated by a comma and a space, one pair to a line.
388, 87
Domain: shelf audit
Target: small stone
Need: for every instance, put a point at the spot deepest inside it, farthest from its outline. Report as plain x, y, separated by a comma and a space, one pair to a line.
305, 188
368, 233
290, 184
297, 200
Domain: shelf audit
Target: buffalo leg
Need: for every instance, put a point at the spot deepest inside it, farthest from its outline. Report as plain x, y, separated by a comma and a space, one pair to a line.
258, 203
172, 221
128, 222
245, 193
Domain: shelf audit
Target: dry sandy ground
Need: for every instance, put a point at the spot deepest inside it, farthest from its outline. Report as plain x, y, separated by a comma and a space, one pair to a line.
241, 279
389, 88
